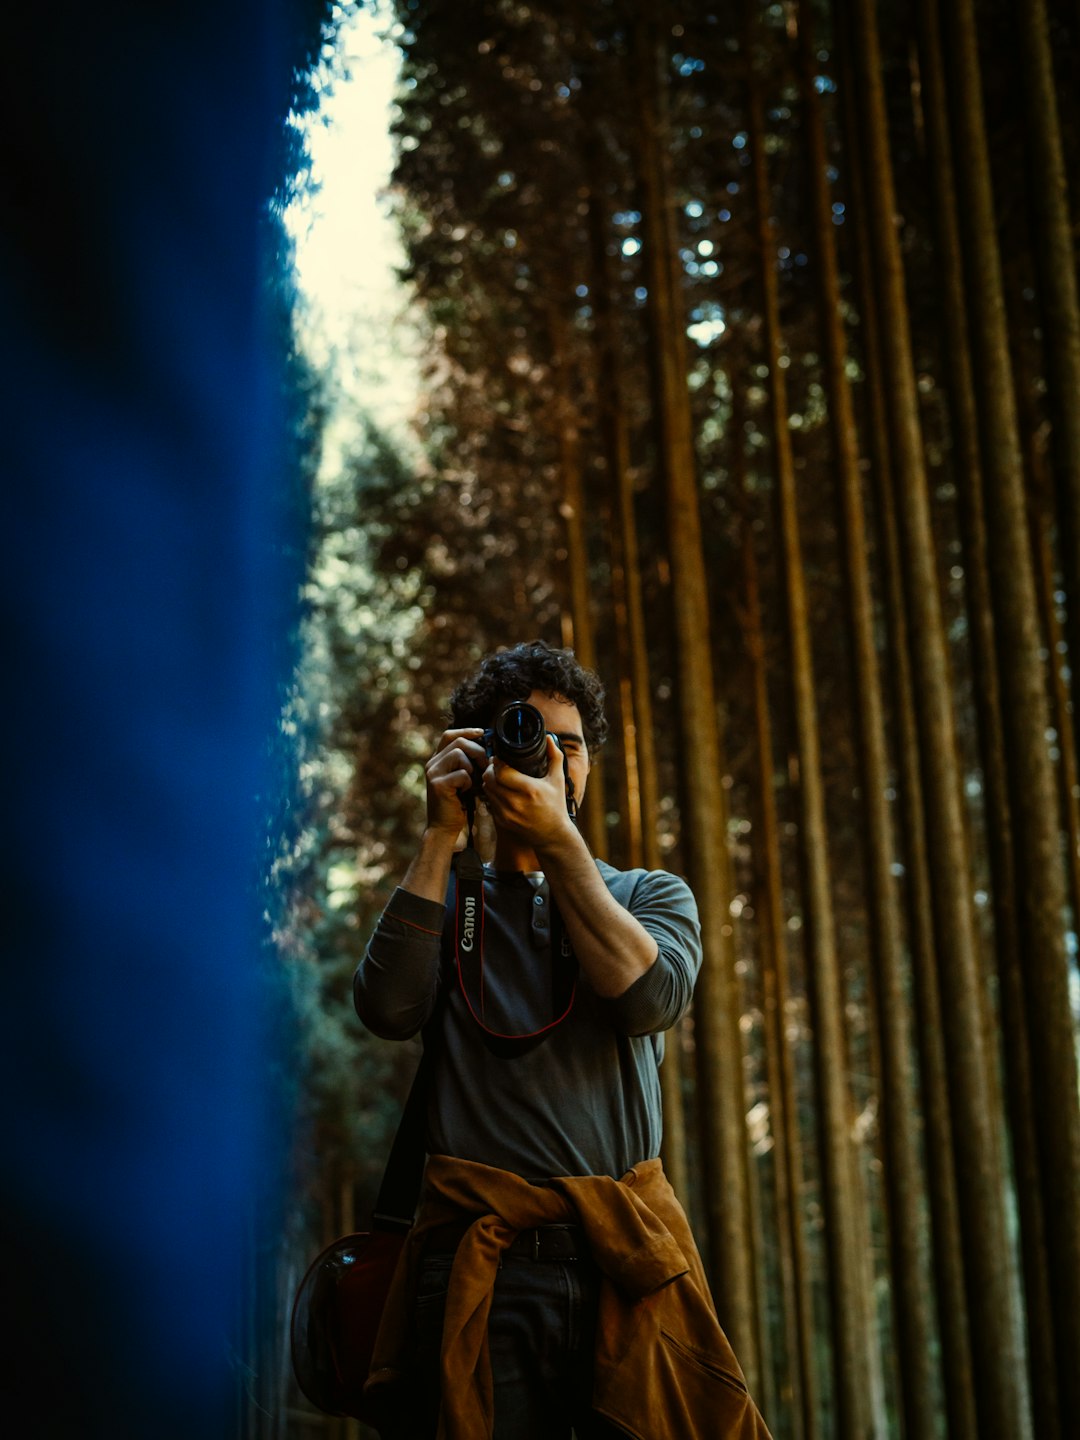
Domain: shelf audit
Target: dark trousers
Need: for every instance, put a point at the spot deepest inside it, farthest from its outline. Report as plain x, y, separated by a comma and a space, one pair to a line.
541, 1334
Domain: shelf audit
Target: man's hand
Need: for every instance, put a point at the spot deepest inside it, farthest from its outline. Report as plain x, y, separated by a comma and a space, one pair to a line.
450, 772
532, 810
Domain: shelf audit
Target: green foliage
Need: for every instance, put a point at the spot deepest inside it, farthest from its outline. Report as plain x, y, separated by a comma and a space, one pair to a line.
352, 733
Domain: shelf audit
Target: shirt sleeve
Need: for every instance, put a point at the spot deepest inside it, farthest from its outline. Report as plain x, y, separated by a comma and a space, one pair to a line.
664, 906
395, 984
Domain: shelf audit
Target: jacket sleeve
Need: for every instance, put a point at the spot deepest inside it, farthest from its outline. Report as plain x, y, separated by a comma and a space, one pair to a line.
664, 906
395, 984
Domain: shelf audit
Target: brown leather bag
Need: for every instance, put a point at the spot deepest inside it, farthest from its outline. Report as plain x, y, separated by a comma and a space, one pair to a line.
339, 1304
336, 1317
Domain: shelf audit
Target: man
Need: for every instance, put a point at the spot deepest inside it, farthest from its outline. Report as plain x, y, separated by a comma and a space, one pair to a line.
553, 1281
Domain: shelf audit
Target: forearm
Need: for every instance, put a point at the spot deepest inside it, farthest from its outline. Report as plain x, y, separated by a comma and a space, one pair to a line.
429, 873
611, 946
395, 983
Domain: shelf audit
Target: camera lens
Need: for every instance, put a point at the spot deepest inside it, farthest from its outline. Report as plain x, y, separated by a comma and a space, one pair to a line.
521, 739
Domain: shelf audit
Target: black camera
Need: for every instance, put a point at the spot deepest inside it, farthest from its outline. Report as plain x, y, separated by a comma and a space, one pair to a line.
518, 738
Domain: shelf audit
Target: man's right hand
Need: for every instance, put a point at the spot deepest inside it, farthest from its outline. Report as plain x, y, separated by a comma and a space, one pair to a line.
450, 774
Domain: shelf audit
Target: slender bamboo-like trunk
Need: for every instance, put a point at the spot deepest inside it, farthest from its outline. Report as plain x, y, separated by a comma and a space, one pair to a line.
1055, 250
841, 1196
1033, 1242
777, 1366
946, 1250
1039, 868
798, 1391
572, 509
767, 1377
999, 839
718, 1042
634, 680
629, 794
1068, 772
903, 1163
977, 1137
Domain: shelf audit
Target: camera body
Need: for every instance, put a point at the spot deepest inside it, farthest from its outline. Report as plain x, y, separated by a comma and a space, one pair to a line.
518, 738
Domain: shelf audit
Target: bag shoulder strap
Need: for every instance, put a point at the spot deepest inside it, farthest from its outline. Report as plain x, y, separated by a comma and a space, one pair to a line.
395, 1204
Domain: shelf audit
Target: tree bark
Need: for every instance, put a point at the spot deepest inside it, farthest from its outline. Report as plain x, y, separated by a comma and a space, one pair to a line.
572, 510
1040, 879
989, 1276
841, 1197
1068, 773
1055, 251
967, 469
903, 1161
947, 1255
799, 1393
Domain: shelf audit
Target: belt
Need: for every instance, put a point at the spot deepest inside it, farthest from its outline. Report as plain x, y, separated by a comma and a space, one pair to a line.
542, 1242
549, 1242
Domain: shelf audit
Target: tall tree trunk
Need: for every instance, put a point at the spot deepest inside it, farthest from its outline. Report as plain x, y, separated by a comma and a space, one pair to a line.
1054, 245
947, 1254
572, 509
840, 1191
1043, 561
624, 847
799, 1393
629, 796
634, 679
721, 1103
967, 470
977, 1136
1039, 869
778, 1238
903, 1162
767, 1376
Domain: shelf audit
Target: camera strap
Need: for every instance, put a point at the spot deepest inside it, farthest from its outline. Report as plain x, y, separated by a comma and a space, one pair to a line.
469, 959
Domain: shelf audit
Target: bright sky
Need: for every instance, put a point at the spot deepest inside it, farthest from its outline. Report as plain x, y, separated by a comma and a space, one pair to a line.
346, 241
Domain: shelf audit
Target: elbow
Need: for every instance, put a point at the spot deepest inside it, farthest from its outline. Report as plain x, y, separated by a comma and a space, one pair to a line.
659, 1000
381, 1021
386, 1025
389, 1028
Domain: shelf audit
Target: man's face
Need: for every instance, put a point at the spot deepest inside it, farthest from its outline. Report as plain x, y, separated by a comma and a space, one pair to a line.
564, 722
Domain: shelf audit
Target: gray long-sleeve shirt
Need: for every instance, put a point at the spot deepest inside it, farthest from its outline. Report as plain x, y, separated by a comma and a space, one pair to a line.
586, 1100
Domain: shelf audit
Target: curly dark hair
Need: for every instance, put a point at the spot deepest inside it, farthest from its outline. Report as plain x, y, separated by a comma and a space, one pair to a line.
513, 674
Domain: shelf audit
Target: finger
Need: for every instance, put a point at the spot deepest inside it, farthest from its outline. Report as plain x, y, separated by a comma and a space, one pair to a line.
457, 777
462, 752
556, 758
447, 760
492, 783
470, 732
498, 807
463, 745
508, 778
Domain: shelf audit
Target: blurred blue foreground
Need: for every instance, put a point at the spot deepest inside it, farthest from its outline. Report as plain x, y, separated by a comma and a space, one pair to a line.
146, 601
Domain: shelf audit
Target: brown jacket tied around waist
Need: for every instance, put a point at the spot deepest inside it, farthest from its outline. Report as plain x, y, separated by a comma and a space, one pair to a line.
664, 1369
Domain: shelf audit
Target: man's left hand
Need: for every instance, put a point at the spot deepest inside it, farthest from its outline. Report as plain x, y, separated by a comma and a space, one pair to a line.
532, 810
